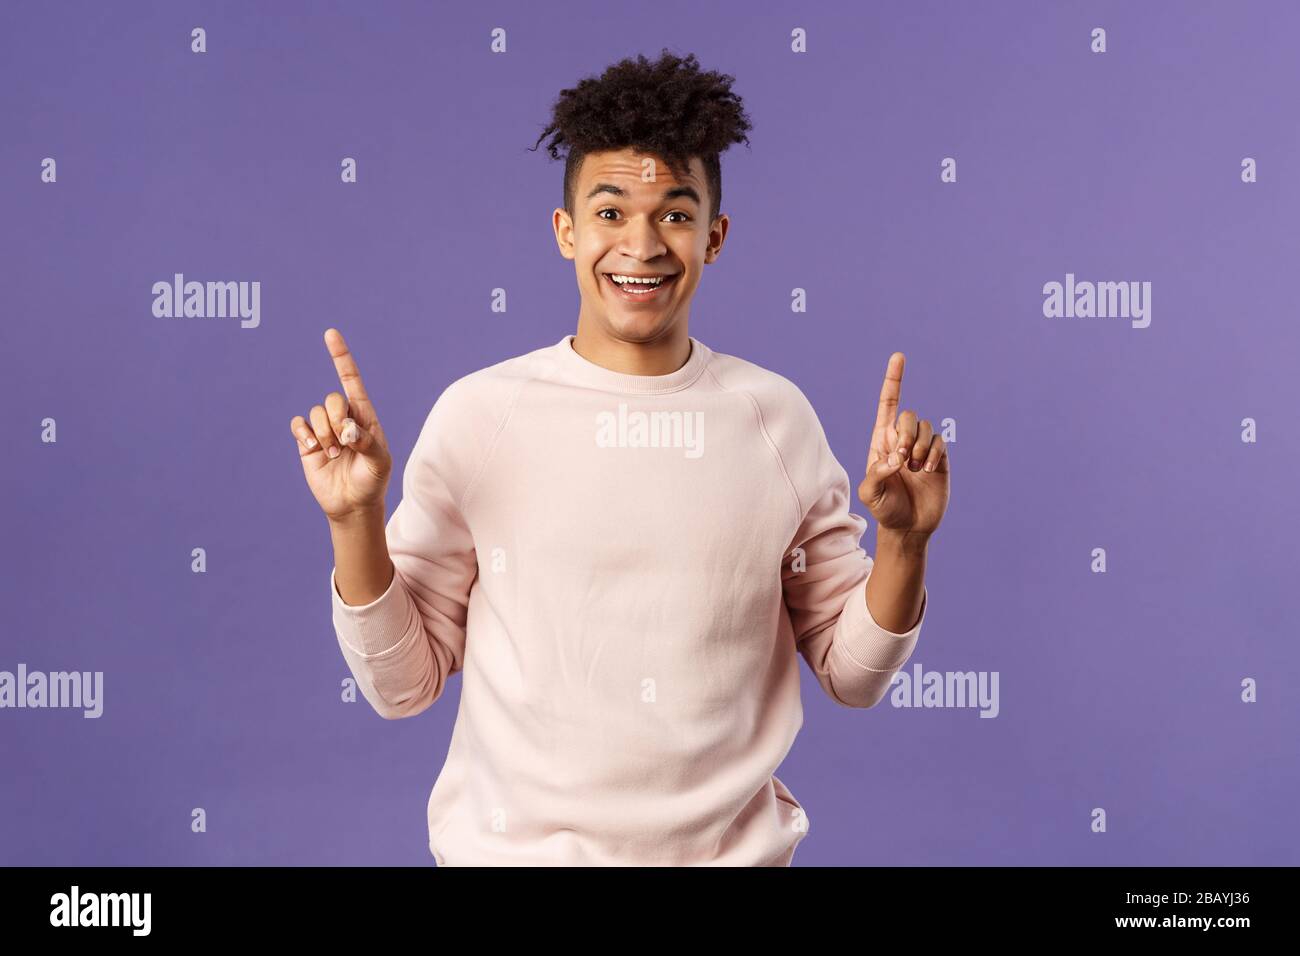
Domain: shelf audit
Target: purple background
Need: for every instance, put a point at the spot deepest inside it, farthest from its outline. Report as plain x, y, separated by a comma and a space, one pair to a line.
221, 690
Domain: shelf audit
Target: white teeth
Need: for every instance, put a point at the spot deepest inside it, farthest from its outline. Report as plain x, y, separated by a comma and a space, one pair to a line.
656, 280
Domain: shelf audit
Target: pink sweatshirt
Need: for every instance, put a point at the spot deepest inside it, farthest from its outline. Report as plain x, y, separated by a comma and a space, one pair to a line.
623, 567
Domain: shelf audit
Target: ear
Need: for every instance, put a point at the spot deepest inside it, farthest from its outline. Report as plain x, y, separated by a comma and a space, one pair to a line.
563, 226
717, 236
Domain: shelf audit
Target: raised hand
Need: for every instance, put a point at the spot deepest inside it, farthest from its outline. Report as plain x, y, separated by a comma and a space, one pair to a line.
907, 481
344, 453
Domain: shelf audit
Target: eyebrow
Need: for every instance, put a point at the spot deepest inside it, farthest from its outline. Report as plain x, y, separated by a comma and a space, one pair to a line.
676, 192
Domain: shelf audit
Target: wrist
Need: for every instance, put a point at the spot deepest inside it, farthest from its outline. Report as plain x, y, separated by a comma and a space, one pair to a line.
902, 543
357, 518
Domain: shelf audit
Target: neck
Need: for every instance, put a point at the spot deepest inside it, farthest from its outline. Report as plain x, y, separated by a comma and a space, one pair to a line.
661, 356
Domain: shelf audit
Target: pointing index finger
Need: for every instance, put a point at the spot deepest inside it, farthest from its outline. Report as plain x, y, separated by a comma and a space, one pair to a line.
891, 391
349, 375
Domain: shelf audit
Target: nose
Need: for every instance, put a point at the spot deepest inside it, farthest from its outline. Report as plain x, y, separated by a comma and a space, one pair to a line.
640, 241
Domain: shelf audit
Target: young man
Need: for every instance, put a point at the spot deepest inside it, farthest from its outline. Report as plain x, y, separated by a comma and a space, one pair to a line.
624, 540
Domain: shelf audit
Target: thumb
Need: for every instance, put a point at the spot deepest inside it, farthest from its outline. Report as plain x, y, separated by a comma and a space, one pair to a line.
357, 438
878, 472
887, 466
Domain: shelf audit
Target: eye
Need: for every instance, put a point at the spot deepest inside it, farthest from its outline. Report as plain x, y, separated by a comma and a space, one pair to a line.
600, 213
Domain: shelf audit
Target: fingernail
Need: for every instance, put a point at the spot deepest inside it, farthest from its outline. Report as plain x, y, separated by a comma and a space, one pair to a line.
348, 433
310, 442
914, 466
929, 466
333, 451
893, 459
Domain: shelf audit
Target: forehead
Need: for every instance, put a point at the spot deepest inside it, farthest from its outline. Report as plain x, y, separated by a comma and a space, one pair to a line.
625, 167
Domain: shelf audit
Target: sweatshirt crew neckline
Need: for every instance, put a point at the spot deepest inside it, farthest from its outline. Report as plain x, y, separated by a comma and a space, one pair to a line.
584, 371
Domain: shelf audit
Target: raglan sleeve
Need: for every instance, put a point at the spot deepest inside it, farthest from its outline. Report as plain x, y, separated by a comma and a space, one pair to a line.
402, 647
824, 576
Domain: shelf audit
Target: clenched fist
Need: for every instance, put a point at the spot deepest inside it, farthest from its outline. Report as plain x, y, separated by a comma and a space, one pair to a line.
344, 454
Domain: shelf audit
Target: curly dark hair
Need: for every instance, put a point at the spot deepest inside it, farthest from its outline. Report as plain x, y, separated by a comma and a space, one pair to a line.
667, 108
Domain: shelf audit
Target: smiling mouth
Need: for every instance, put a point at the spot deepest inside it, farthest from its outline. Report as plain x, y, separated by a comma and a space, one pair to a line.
638, 287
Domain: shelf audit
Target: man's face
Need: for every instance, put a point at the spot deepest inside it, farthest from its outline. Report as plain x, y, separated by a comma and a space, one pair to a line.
626, 223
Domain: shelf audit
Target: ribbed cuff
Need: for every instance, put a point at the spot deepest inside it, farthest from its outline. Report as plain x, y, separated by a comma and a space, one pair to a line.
866, 643
378, 628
